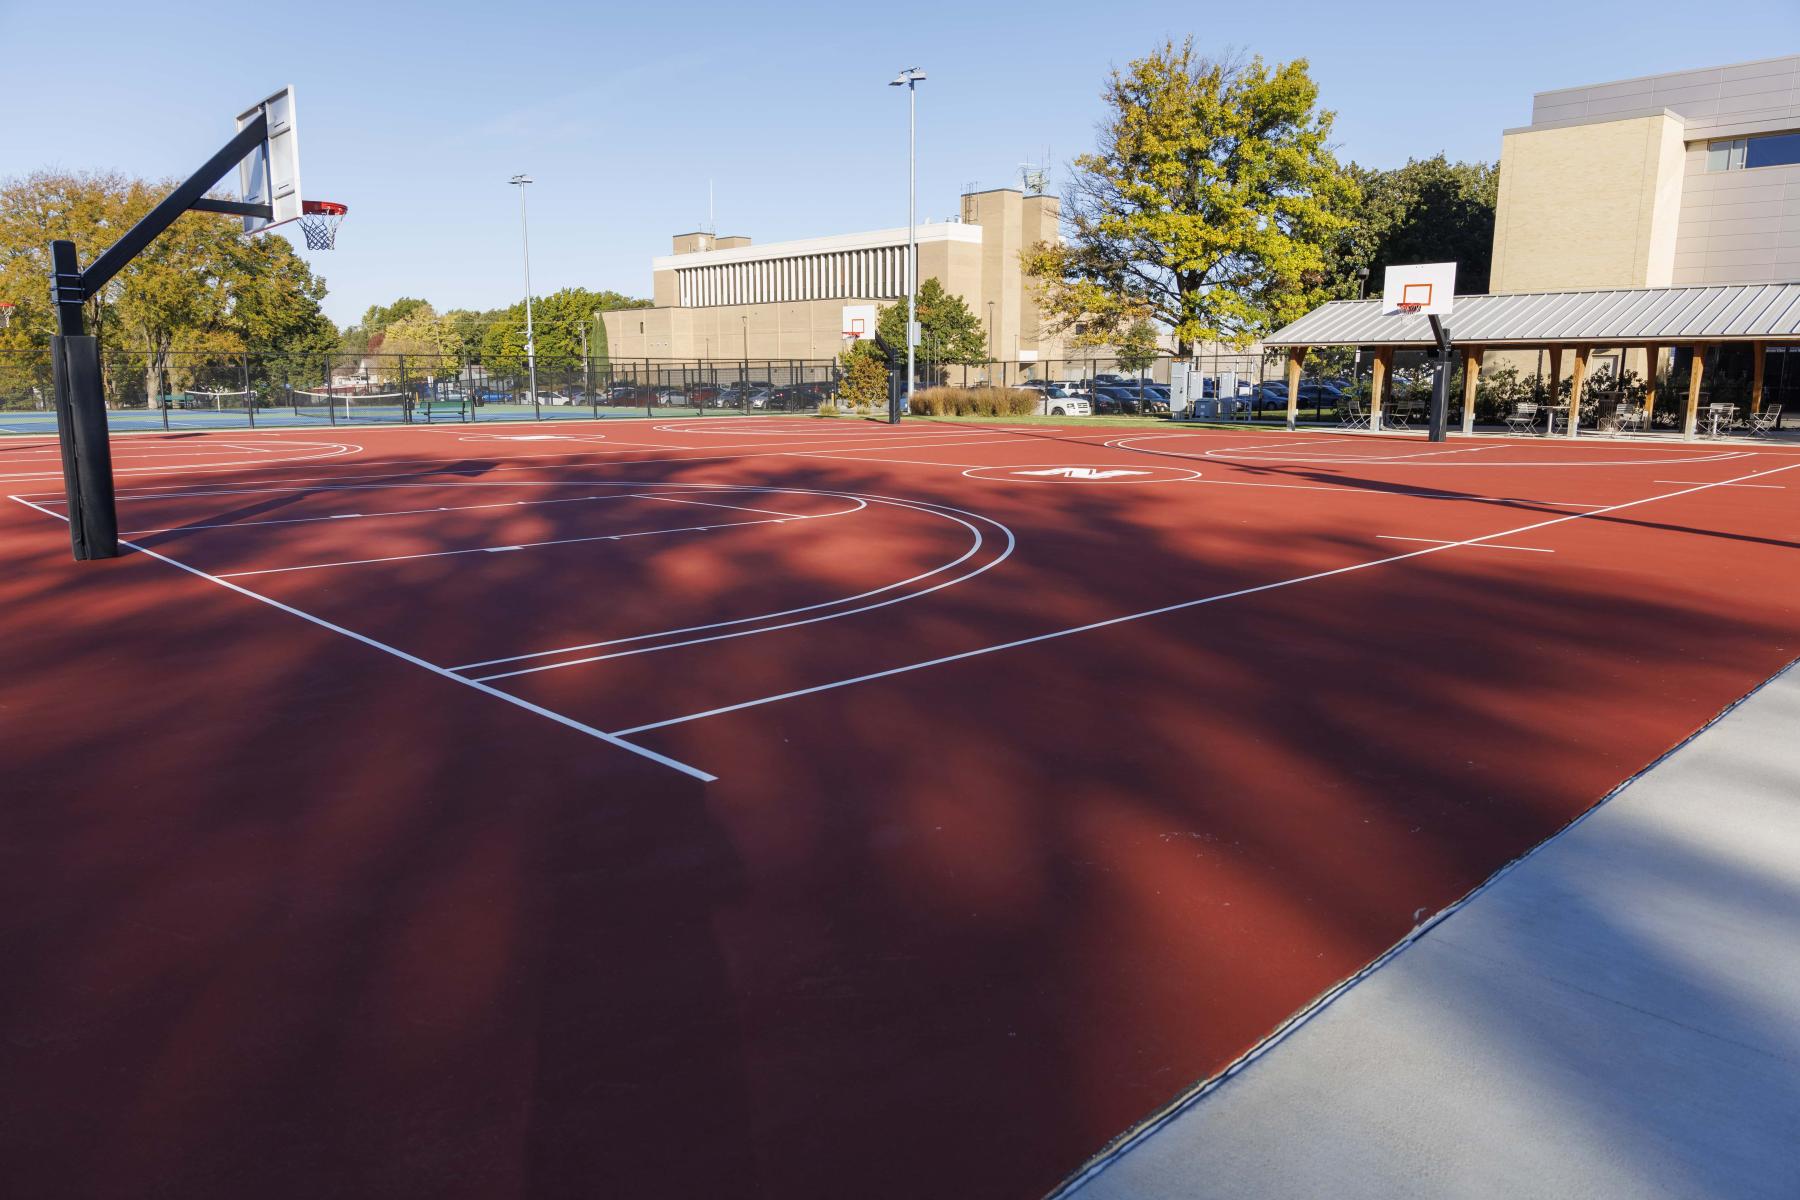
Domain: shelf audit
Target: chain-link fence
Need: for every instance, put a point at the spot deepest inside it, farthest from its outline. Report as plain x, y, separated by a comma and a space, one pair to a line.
206, 391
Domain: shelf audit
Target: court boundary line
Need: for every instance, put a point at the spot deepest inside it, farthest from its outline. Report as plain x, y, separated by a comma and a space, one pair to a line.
1160, 1118
611, 739
1394, 537
955, 514
1053, 635
570, 541
441, 466
1012, 544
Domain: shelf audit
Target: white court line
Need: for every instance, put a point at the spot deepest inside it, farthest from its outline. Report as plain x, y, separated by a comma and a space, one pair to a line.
1443, 542
768, 512
439, 466
1341, 489
1011, 545
599, 537
399, 512
1178, 607
335, 450
611, 739
910, 462
1773, 487
955, 514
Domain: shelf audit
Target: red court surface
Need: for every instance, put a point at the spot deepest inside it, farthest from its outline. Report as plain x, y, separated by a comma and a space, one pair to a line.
785, 807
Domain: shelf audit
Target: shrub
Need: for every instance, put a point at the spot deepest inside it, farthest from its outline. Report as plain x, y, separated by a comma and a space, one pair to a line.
974, 402
828, 408
862, 384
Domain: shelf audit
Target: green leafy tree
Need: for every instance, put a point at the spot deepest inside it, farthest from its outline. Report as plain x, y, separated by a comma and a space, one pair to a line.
1212, 203
200, 287
1138, 348
426, 336
556, 320
948, 331
862, 378
1430, 210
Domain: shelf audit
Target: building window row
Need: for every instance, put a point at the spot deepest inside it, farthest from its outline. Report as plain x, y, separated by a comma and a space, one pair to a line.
877, 274
1768, 150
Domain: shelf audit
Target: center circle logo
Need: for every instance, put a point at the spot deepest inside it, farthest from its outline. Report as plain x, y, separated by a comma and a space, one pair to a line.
1084, 473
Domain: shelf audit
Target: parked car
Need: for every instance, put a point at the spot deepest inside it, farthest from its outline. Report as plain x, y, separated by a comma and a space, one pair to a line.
1113, 399
798, 397
1054, 400
742, 394
1130, 398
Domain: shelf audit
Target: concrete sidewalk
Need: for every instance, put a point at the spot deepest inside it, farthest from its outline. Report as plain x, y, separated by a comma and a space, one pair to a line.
1616, 1016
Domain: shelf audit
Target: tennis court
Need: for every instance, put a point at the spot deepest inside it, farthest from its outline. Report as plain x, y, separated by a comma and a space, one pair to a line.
699, 806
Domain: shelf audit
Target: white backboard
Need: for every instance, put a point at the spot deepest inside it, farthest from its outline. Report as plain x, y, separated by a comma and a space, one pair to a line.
1432, 286
859, 320
270, 174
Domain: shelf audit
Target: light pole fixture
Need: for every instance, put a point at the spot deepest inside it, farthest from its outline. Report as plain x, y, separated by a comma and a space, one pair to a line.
520, 181
909, 79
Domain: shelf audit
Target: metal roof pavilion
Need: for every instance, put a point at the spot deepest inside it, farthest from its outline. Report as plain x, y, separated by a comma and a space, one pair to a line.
1614, 317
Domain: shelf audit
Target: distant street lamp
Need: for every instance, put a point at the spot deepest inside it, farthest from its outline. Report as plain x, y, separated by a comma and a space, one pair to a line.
909, 79
519, 181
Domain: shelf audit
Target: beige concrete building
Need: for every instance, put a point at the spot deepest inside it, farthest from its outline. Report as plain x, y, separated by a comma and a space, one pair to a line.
724, 298
1685, 179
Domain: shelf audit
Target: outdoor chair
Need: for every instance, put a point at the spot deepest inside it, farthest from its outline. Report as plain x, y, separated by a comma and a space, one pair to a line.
1523, 418
1355, 418
1399, 414
1763, 423
1626, 418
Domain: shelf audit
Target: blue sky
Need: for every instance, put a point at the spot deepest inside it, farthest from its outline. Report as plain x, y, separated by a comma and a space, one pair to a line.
416, 114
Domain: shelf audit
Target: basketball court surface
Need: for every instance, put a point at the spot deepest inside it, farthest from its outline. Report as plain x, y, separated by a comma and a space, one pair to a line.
790, 806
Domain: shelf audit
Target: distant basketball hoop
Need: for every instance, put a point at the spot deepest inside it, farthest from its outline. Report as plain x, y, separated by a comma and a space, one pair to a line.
319, 221
1428, 288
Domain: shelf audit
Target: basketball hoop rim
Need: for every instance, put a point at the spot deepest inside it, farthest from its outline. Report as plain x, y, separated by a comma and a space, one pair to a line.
319, 221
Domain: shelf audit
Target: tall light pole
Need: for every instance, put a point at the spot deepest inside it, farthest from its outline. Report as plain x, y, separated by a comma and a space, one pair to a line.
909, 79
519, 181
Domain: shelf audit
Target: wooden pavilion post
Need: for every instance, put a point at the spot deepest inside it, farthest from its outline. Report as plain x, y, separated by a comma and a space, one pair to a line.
1378, 373
1652, 353
1577, 376
1471, 375
1691, 422
1761, 351
1296, 358
1551, 391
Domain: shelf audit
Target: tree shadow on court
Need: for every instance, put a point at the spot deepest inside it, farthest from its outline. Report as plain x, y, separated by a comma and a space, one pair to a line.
1063, 883
1344, 477
296, 916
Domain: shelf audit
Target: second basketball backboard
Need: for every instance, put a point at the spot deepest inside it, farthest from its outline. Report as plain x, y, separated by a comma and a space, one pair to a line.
1419, 288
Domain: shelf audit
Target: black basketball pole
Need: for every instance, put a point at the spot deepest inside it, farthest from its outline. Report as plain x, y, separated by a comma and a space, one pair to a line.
75, 357
1440, 381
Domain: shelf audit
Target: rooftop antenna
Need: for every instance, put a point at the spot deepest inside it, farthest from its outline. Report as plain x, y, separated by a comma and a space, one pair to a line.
1035, 177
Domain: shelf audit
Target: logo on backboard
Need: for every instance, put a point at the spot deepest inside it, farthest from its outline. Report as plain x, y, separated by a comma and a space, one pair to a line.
1060, 473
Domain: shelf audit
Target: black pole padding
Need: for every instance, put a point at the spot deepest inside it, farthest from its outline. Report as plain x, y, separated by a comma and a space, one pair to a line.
1440, 381
86, 449
66, 291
